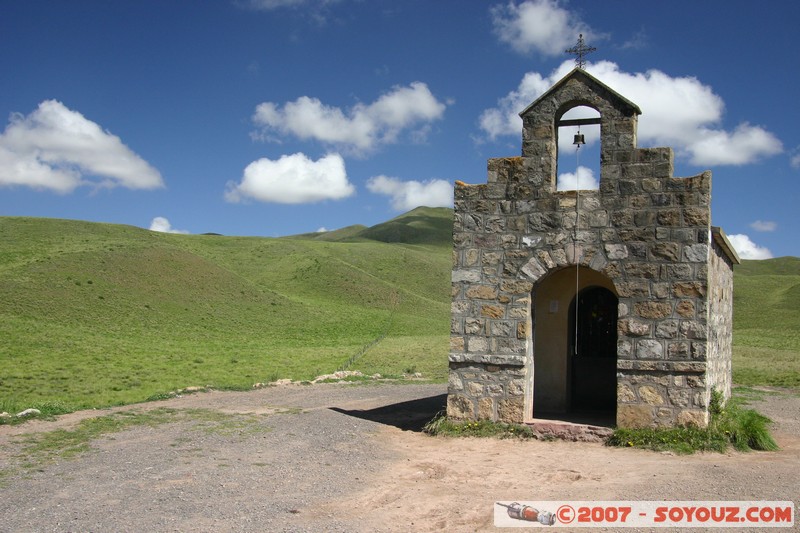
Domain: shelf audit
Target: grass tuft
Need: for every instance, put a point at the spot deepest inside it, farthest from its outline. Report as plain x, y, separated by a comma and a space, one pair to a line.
442, 426
731, 425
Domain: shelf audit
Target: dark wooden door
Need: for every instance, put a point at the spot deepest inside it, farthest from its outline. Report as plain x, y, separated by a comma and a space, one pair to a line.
593, 350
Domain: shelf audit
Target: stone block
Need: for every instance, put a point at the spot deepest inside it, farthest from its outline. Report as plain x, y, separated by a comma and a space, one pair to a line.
501, 328
632, 289
678, 350
633, 328
495, 390
616, 251
668, 251
693, 417
669, 217
692, 329
624, 348
466, 275
482, 292
457, 344
454, 383
516, 286
696, 216
625, 393
689, 289
475, 389
661, 290
649, 349
634, 416
685, 309
460, 407
478, 345
510, 410
491, 258
486, 409
516, 387
679, 397
695, 253
642, 270
653, 310
473, 326
492, 311
518, 313
651, 395
534, 269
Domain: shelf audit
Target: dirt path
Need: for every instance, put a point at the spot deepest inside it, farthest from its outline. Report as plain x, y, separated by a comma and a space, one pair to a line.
346, 458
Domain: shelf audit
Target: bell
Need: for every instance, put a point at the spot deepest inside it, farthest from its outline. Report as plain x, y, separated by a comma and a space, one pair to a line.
579, 139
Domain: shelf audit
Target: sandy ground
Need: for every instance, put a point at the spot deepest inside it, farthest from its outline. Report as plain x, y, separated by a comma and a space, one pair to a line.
351, 458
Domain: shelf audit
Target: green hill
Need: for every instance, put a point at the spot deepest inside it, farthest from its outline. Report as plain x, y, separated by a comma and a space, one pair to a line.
98, 314
766, 322
423, 225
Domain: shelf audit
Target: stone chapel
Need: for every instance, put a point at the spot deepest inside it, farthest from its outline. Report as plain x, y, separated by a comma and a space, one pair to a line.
616, 301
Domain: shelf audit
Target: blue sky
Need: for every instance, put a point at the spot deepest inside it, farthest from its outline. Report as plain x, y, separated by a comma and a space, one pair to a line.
278, 117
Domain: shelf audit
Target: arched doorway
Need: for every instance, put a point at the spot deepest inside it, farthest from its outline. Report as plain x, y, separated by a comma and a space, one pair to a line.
552, 374
593, 350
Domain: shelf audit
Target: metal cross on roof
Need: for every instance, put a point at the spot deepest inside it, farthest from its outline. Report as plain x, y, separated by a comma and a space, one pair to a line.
580, 50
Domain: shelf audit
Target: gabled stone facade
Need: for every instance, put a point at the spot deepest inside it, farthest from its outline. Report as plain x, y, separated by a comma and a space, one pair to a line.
524, 251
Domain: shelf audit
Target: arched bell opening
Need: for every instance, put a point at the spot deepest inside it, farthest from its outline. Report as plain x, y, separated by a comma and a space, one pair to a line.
578, 161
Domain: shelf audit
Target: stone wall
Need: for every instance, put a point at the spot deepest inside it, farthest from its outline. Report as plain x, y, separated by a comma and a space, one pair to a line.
720, 320
645, 230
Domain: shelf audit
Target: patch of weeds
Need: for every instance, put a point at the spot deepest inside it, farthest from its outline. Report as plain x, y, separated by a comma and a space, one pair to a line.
228, 425
682, 440
47, 411
38, 449
441, 425
160, 396
744, 395
41, 448
730, 425
235, 388
348, 379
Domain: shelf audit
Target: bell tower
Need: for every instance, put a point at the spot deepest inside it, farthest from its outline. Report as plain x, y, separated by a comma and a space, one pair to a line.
527, 257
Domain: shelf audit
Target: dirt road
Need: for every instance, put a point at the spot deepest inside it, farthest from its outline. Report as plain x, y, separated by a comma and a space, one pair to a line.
342, 457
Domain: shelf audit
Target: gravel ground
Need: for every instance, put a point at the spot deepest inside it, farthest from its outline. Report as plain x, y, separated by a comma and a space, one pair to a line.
342, 457
307, 445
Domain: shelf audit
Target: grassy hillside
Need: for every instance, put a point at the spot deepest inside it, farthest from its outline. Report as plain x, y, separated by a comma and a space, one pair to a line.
99, 314
766, 322
423, 225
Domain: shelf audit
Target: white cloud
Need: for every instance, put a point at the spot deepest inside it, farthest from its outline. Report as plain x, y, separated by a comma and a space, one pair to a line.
537, 25
407, 195
639, 41
293, 179
744, 145
268, 5
162, 224
58, 149
747, 249
678, 112
764, 225
795, 158
323, 229
584, 180
359, 129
